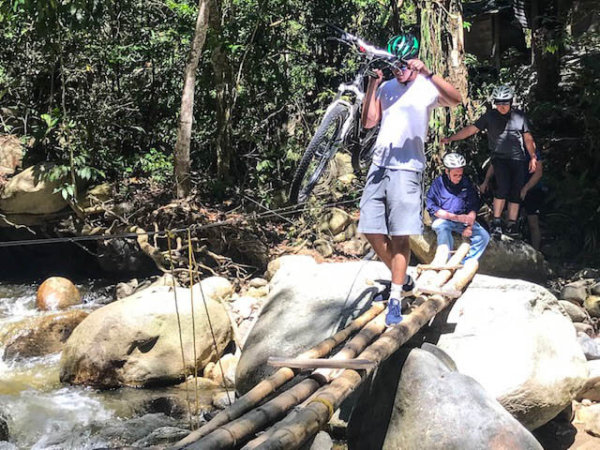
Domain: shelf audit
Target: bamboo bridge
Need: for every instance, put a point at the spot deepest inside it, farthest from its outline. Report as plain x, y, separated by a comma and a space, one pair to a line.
292, 417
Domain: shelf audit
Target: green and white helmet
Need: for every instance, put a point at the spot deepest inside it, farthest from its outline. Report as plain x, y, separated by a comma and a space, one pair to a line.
503, 93
405, 46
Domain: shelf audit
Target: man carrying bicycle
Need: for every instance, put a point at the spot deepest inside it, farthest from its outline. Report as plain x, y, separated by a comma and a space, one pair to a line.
391, 205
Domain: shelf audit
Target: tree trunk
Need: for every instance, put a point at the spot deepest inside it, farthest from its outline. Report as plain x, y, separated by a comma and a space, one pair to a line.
223, 86
184, 130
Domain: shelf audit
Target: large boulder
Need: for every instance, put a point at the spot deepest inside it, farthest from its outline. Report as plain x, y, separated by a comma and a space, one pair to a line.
39, 335
30, 192
136, 341
514, 338
57, 293
432, 406
11, 154
308, 303
510, 258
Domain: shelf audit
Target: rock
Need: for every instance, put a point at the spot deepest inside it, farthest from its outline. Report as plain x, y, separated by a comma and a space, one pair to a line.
591, 388
165, 280
162, 436
322, 441
125, 289
3, 426
217, 288
512, 337
257, 282
590, 347
584, 328
39, 335
433, 407
123, 256
592, 305
575, 291
213, 371
135, 341
353, 247
506, 258
576, 313
595, 289
307, 303
243, 307
324, 247
11, 155
590, 416
223, 399
7, 446
29, 192
259, 292
95, 196
57, 293
286, 265
337, 220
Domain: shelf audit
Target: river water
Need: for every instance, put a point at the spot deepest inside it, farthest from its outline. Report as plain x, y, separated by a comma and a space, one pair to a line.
43, 413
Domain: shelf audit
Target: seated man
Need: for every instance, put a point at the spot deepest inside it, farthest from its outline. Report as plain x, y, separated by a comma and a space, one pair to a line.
454, 202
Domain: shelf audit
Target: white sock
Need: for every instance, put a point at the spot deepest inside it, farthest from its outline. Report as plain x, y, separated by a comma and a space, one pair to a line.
396, 291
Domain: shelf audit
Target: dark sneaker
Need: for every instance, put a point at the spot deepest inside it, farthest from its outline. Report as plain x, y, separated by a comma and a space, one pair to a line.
394, 315
496, 228
512, 230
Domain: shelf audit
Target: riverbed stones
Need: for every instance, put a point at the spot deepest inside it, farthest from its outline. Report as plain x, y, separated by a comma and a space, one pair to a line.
592, 305
514, 339
11, 154
432, 407
57, 293
575, 291
40, 335
30, 192
136, 341
228, 364
576, 313
217, 288
286, 265
3, 430
590, 416
591, 388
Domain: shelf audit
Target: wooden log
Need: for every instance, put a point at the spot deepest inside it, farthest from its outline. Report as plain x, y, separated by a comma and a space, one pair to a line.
319, 363
422, 267
327, 399
278, 379
446, 292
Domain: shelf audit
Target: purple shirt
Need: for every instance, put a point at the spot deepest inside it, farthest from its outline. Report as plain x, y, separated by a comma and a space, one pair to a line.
458, 198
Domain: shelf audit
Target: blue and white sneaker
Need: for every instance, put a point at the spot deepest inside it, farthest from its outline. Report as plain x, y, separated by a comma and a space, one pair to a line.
394, 314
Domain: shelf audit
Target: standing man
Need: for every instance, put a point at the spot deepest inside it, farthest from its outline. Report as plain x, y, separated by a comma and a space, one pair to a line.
453, 201
390, 208
509, 135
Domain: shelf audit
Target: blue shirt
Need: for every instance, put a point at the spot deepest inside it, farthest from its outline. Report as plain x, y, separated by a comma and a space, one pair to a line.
458, 198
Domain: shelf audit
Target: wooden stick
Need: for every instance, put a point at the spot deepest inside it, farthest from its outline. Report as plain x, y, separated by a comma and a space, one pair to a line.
278, 379
422, 267
298, 363
446, 292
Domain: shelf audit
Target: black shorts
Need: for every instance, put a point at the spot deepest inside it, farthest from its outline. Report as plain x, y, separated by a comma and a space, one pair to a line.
510, 179
533, 201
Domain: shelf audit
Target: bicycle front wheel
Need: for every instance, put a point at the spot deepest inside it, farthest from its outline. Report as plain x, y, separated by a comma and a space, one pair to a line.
317, 157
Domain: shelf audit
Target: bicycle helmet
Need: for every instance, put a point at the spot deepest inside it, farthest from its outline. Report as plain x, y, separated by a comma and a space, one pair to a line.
405, 46
503, 93
454, 161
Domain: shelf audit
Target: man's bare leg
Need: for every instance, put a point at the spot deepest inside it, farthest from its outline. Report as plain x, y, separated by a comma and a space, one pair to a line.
513, 211
400, 250
381, 245
498, 206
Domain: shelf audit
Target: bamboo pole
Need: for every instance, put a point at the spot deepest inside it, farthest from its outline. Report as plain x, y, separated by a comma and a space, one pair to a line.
317, 413
319, 363
278, 379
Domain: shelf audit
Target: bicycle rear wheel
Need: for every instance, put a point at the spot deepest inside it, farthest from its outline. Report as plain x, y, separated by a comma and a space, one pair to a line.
319, 153
363, 152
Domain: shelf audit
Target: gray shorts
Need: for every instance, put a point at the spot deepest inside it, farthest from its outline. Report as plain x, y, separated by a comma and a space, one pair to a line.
391, 203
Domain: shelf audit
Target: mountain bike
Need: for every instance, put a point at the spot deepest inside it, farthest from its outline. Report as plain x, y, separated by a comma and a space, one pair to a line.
341, 125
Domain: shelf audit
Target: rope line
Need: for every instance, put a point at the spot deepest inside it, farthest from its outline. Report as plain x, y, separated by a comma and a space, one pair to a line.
191, 275
187, 397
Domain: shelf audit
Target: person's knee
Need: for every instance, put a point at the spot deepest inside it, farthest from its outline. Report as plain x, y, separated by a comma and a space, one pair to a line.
439, 224
400, 244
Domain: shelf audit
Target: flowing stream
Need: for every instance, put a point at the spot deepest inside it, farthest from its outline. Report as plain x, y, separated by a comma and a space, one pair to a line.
43, 413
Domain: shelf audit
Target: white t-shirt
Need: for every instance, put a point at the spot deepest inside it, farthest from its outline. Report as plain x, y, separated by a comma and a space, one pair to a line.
405, 112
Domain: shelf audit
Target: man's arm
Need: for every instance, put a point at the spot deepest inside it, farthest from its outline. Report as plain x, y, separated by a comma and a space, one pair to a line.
371, 106
486, 182
448, 94
530, 146
537, 176
464, 133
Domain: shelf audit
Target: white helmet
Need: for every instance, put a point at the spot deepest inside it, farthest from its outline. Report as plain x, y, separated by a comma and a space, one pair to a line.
454, 161
503, 93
